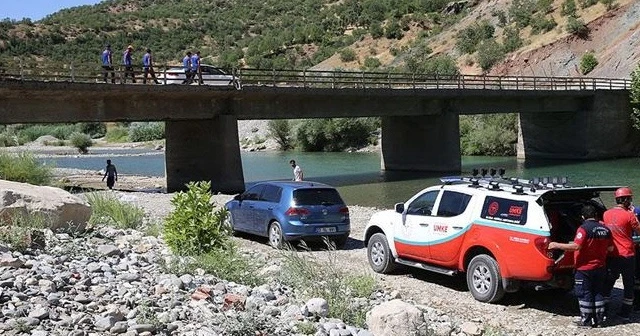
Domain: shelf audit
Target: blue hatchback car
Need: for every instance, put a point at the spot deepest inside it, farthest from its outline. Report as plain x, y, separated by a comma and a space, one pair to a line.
285, 211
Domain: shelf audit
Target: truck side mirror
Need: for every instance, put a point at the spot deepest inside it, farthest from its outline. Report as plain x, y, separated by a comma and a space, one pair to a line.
399, 207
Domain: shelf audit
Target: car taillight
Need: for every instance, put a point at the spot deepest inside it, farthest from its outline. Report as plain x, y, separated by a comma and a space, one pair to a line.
542, 244
297, 212
345, 212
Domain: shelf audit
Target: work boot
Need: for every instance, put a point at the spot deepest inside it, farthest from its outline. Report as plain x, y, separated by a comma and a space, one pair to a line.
600, 320
625, 312
586, 321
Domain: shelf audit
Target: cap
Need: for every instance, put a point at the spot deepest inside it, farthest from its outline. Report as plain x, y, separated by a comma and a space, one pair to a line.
130, 47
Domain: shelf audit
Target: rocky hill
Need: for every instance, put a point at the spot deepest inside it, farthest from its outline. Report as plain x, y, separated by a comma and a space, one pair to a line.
526, 37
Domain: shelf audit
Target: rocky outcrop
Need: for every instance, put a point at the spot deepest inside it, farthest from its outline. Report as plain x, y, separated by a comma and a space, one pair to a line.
59, 208
395, 317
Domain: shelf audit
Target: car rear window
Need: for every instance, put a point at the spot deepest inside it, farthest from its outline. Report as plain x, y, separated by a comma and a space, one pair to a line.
504, 210
316, 196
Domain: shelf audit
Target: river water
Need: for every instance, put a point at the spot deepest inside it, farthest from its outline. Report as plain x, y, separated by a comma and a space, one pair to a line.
358, 175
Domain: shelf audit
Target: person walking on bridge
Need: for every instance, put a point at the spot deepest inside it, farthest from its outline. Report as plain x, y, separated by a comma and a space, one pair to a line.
127, 61
147, 66
622, 222
186, 65
195, 67
107, 65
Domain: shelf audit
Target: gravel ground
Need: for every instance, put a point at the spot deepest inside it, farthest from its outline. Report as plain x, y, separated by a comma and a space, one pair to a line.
524, 313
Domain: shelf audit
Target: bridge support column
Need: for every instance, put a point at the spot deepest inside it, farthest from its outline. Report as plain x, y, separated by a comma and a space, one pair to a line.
421, 143
204, 150
601, 129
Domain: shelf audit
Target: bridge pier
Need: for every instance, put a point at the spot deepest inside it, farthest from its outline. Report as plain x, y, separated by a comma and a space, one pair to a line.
421, 143
204, 150
599, 129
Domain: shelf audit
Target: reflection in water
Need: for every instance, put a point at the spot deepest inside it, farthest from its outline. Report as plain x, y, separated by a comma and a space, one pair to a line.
360, 180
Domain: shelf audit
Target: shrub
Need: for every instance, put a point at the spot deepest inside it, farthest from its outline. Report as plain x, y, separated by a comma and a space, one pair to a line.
541, 23
28, 133
109, 210
193, 227
376, 30
609, 4
587, 3
347, 55
280, 131
24, 167
512, 40
117, 134
544, 6
371, 63
443, 65
522, 10
635, 97
332, 135
577, 27
393, 30
146, 131
230, 265
81, 141
469, 38
94, 129
490, 52
488, 134
17, 228
587, 63
569, 8
302, 272
8, 139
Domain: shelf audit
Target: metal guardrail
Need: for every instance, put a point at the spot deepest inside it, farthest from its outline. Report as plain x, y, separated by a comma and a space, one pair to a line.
323, 79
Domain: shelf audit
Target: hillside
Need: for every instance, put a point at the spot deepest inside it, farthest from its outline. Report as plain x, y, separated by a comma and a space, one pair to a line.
526, 37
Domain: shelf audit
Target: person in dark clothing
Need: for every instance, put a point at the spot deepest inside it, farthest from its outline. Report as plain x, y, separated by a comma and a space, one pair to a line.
622, 223
111, 174
592, 243
107, 64
147, 66
127, 61
186, 65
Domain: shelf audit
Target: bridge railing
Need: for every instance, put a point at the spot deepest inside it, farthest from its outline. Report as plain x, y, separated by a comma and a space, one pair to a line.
324, 79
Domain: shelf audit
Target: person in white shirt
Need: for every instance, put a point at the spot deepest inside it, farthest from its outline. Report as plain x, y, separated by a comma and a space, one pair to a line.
297, 171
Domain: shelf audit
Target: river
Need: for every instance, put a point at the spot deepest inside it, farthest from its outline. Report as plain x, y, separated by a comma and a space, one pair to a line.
358, 176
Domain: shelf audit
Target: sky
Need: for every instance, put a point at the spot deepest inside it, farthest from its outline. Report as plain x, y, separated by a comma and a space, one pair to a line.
37, 9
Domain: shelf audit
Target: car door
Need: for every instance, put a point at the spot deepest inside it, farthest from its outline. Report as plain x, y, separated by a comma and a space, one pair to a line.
412, 239
244, 215
264, 207
217, 77
452, 218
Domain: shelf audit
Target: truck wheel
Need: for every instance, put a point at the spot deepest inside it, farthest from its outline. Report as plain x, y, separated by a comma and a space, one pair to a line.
379, 254
483, 279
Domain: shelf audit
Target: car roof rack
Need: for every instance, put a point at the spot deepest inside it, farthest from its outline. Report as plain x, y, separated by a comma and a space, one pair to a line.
501, 183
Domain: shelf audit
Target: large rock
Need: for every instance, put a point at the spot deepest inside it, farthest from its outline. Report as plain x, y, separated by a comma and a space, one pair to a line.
60, 208
395, 317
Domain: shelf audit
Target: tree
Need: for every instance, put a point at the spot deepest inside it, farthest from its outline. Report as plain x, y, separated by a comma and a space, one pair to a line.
635, 97
490, 52
280, 130
588, 63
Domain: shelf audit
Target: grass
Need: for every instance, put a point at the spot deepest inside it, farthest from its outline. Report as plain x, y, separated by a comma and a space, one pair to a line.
117, 135
109, 210
17, 227
325, 279
23, 167
306, 328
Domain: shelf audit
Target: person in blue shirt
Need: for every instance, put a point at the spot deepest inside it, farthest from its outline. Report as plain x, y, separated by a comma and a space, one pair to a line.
127, 61
195, 67
147, 66
107, 64
186, 65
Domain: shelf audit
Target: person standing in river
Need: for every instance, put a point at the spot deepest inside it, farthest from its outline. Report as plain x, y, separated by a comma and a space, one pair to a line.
111, 174
297, 171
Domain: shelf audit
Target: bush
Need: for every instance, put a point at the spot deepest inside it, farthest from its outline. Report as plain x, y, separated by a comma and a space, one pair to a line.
609, 4
81, 141
302, 272
280, 131
544, 6
24, 167
522, 10
109, 210
332, 135
443, 65
393, 30
28, 133
193, 227
490, 52
488, 134
347, 55
587, 3
587, 63
94, 129
541, 23
117, 134
569, 8
635, 97
146, 131
230, 265
577, 27
512, 40
469, 38
18, 228
376, 30
8, 139
371, 63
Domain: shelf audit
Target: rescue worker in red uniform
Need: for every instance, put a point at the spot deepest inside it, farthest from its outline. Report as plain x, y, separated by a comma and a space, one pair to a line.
621, 221
592, 243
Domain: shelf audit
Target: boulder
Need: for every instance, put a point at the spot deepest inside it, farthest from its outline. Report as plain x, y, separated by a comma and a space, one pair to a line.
395, 317
61, 209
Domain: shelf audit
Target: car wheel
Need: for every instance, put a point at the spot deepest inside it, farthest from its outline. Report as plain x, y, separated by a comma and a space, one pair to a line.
228, 223
276, 239
340, 241
483, 279
379, 254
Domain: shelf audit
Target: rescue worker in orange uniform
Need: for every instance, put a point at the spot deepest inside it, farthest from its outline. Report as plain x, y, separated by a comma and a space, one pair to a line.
621, 221
591, 243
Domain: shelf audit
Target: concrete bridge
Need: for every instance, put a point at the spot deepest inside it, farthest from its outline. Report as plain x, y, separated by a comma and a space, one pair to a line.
564, 118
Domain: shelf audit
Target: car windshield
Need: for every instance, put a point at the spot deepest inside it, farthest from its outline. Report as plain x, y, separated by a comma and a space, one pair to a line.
316, 196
